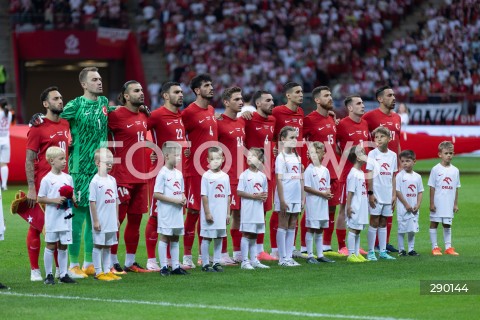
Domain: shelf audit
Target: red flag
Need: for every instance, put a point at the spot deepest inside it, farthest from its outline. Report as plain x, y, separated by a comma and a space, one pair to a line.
426, 146
34, 216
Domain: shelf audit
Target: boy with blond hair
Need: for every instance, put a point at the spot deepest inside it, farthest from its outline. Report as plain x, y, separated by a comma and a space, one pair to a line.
58, 222
104, 202
169, 191
444, 182
317, 195
381, 167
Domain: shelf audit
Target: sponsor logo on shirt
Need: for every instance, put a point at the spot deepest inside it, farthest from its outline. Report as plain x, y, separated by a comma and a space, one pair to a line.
447, 180
109, 192
177, 184
257, 186
323, 181
295, 169
385, 166
412, 188
221, 188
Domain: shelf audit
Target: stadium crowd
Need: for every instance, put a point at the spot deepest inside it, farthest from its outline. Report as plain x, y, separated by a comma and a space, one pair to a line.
29, 15
262, 44
441, 59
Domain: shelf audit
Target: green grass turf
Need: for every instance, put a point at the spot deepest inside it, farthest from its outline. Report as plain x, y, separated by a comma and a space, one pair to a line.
466, 165
381, 289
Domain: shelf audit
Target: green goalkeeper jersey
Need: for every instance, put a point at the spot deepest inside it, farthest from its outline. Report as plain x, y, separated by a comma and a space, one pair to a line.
88, 126
89, 130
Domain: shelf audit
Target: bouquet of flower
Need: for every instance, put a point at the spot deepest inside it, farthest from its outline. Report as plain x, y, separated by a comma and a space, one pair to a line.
67, 192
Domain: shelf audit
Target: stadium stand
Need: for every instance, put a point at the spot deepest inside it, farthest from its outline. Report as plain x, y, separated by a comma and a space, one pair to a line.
438, 63
29, 15
262, 44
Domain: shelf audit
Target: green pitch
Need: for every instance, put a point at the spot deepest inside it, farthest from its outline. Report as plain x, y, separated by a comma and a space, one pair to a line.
373, 290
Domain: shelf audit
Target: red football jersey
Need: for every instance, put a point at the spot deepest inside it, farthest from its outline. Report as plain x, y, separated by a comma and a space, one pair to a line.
286, 117
231, 133
127, 128
392, 122
353, 132
166, 126
200, 127
259, 134
39, 139
319, 128
259, 131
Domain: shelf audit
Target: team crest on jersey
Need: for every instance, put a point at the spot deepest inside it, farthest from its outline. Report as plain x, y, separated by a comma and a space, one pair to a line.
144, 124
397, 126
257, 186
300, 121
104, 110
365, 134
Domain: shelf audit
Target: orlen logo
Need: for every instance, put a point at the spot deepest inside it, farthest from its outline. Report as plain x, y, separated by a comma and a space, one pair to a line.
412, 188
257, 186
221, 188
295, 169
386, 167
110, 193
323, 181
447, 180
177, 185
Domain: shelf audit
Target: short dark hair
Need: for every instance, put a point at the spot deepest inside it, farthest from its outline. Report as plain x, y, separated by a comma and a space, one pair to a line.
214, 150
408, 154
348, 100
121, 98
44, 94
83, 74
166, 87
257, 95
318, 90
228, 93
3, 102
259, 152
380, 90
289, 85
197, 81
352, 153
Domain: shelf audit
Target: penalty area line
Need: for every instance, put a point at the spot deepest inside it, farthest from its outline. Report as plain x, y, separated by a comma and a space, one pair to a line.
201, 306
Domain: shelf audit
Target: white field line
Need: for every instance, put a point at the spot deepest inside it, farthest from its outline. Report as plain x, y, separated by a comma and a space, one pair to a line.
201, 306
